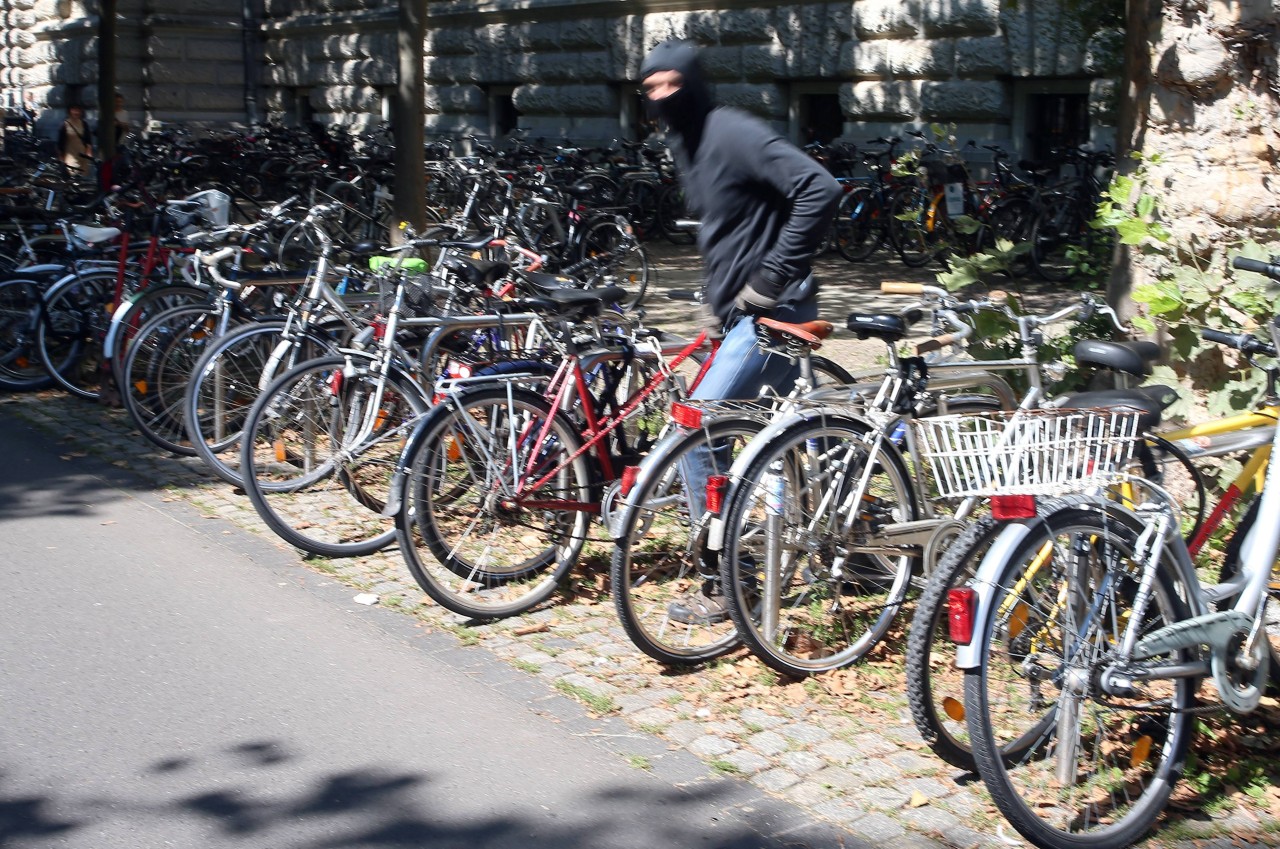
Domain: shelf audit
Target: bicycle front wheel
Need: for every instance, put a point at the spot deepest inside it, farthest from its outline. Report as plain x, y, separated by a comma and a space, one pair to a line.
318, 452
495, 502
660, 554
1069, 764
810, 582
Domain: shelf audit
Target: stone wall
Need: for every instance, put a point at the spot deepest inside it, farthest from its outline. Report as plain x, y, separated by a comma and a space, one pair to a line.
1214, 110
570, 66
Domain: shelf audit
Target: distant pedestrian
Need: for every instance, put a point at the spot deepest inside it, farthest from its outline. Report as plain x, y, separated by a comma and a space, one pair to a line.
124, 125
75, 147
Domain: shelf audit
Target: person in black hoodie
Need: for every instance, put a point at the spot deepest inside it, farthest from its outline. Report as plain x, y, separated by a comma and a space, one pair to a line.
764, 209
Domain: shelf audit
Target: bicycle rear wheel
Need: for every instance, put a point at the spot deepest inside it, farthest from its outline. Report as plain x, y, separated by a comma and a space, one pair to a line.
71, 336
224, 384
21, 369
660, 553
318, 452
494, 506
1069, 765
159, 367
809, 584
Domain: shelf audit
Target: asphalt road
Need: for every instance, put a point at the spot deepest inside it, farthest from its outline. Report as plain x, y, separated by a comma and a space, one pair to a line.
167, 680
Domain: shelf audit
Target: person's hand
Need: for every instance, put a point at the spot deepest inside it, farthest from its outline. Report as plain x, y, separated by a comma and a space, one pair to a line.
753, 301
710, 322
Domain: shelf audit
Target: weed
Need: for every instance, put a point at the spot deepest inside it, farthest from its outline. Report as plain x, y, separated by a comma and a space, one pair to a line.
725, 767
595, 701
639, 762
527, 666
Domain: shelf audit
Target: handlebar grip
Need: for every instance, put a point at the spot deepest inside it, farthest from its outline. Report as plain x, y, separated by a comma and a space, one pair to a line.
937, 343
1243, 342
1270, 269
901, 287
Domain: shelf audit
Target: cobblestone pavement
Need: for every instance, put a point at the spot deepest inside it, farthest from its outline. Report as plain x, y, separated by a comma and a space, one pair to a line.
841, 746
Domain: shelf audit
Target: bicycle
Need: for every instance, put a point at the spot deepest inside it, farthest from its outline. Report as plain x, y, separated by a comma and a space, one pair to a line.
829, 510
660, 531
1087, 648
499, 483
935, 687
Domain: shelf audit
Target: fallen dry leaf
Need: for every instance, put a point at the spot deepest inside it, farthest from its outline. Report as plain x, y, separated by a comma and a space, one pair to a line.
536, 628
918, 800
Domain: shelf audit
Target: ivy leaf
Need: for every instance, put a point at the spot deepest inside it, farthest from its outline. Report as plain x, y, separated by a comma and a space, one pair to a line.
1161, 297
1144, 324
1146, 205
1132, 231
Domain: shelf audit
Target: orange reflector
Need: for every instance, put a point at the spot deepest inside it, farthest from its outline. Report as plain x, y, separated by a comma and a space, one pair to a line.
1141, 751
1006, 507
629, 475
686, 416
141, 387
453, 448
961, 603
716, 485
278, 446
953, 708
1018, 620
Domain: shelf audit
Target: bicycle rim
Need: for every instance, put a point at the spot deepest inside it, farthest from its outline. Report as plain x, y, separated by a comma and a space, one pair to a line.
319, 449
805, 594
1090, 769
477, 535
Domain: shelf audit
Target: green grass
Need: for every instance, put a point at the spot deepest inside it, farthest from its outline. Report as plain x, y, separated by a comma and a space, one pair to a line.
639, 762
725, 767
527, 666
595, 701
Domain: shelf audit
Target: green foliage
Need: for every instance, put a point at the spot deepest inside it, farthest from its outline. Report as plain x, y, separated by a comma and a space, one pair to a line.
1192, 288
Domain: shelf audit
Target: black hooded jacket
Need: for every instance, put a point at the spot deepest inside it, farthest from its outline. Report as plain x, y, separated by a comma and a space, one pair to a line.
764, 206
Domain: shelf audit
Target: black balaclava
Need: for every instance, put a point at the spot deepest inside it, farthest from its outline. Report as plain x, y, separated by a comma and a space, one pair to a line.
684, 111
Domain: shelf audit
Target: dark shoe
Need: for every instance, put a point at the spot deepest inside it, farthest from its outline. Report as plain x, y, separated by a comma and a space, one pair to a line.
705, 607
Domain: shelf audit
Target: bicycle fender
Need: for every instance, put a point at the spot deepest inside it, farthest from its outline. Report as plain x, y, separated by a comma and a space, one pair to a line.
984, 584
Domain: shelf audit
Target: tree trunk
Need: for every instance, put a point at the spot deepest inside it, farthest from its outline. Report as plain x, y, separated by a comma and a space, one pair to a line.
106, 146
407, 129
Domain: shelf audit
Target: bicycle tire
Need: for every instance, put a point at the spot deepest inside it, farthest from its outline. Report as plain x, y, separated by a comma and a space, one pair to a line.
471, 554
1053, 601
158, 369
910, 228
626, 264
792, 630
224, 385
859, 225
21, 369
309, 483
143, 307
69, 338
656, 551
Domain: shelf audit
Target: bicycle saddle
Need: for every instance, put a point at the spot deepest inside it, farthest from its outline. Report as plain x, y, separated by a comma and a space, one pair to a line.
890, 328
93, 235
810, 332
1129, 357
546, 282
478, 272
587, 301
1136, 399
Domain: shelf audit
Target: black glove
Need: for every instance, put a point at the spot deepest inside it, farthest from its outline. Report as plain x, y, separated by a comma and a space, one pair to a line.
760, 295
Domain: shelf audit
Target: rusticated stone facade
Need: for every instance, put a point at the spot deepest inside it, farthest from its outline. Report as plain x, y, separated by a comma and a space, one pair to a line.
569, 67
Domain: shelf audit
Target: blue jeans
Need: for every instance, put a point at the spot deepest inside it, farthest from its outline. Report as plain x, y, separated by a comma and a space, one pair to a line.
738, 373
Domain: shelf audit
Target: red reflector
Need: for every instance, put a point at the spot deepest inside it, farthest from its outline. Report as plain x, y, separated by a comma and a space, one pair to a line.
335, 382
961, 604
686, 416
1006, 507
716, 485
629, 475
379, 327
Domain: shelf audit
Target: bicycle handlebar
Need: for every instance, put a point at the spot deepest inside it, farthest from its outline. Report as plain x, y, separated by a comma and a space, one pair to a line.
1245, 343
1269, 269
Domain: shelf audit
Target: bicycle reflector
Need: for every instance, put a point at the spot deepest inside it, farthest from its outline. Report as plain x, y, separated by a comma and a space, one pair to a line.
1007, 507
629, 475
961, 604
686, 416
716, 485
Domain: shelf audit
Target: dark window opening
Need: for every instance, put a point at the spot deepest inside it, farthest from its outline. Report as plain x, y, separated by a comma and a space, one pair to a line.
1056, 121
821, 119
506, 117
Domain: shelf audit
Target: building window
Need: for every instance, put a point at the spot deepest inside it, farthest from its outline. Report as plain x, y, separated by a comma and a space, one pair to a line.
821, 119
1056, 121
503, 114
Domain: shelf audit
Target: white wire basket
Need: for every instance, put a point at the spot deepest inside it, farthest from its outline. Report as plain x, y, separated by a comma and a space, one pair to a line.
1029, 452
